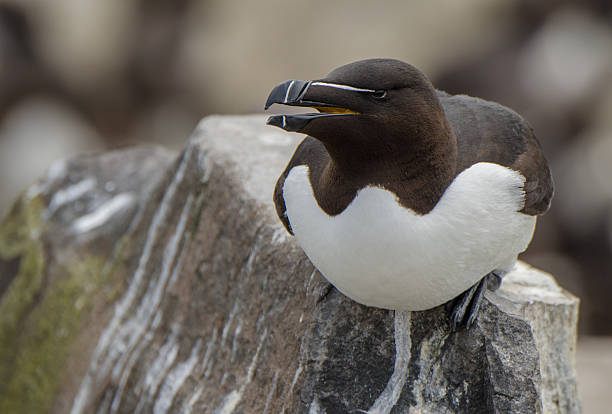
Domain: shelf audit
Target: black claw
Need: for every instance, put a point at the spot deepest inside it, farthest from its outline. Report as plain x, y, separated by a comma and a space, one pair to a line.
460, 306
475, 304
465, 307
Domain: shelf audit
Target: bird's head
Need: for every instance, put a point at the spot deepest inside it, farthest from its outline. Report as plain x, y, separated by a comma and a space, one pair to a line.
374, 101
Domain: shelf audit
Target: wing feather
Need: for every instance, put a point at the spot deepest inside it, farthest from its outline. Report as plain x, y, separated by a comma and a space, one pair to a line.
489, 132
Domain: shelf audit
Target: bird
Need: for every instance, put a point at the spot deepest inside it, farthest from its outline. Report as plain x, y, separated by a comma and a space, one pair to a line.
405, 197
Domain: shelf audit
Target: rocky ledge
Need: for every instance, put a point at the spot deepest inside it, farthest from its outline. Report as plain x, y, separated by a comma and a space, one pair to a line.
140, 281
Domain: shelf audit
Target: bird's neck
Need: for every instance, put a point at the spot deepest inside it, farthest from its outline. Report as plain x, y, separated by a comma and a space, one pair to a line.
417, 167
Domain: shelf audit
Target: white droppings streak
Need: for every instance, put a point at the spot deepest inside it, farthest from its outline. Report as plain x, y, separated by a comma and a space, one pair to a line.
126, 373
179, 262
271, 393
279, 236
174, 381
204, 365
315, 407
208, 369
251, 370
249, 264
104, 406
310, 281
57, 170
103, 213
428, 358
156, 321
387, 400
298, 371
69, 194
229, 403
161, 365
228, 324
103, 359
158, 369
235, 340
196, 395
205, 166
131, 332
232, 399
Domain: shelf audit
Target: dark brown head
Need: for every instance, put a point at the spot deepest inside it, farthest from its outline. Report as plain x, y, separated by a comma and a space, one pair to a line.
367, 110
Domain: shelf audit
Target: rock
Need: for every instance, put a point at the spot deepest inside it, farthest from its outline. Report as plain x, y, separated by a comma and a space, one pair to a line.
58, 246
189, 296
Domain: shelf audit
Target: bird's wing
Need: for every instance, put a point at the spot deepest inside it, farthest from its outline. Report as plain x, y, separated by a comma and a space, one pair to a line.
310, 152
489, 132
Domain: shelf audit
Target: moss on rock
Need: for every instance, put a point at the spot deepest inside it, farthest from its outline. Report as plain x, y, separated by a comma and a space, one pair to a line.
19, 237
40, 311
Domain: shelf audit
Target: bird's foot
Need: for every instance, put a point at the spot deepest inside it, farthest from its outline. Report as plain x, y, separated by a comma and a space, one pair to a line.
464, 308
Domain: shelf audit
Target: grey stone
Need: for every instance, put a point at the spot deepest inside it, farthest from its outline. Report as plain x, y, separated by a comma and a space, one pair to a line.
199, 301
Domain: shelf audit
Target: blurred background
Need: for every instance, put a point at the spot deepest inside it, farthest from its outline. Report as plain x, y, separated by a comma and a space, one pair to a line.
88, 75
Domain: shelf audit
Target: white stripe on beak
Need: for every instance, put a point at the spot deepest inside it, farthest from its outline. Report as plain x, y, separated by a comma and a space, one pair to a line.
338, 86
288, 90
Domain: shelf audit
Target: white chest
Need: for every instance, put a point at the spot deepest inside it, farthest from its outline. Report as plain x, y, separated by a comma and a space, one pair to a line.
382, 254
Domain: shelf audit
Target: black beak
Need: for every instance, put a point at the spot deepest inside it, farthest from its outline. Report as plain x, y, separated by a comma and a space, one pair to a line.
293, 123
288, 93
293, 92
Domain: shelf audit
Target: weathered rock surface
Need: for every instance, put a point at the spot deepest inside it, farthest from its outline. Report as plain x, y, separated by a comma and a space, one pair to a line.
131, 283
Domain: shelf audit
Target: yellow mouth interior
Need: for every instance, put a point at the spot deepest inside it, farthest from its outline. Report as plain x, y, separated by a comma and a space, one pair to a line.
334, 110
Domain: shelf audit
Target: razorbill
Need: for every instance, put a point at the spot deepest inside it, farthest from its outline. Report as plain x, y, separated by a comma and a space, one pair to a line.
405, 197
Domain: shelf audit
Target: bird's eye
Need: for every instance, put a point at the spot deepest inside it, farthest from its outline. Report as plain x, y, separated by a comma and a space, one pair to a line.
379, 94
